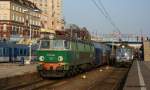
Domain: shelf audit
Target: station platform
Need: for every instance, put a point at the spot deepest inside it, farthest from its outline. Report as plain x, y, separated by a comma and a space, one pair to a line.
12, 74
14, 69
139, 76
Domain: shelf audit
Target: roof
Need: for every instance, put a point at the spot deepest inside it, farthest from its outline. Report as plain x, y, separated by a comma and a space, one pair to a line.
25, 3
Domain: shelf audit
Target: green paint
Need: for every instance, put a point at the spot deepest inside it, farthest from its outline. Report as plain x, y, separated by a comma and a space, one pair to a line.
53, 55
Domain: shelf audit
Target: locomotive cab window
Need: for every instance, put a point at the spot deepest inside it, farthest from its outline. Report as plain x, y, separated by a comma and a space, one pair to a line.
55, 44
45, 44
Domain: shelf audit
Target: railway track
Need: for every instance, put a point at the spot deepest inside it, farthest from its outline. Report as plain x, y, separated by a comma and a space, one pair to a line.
34, 85
111, 79
114, 81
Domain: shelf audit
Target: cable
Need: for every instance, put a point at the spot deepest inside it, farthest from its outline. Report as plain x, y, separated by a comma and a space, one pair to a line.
105, 13
99, 8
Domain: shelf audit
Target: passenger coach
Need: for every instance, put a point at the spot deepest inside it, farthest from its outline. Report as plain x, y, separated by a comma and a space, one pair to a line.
10, 52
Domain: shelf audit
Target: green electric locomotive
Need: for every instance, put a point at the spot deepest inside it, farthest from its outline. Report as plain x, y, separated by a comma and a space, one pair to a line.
61, 57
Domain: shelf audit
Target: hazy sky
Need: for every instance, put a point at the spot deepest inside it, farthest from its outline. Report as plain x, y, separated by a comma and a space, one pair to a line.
131, 16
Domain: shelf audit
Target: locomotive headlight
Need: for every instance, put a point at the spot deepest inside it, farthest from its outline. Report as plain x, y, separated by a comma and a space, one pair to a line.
41, 58
118, 57
126, 54
60, 58
128, 58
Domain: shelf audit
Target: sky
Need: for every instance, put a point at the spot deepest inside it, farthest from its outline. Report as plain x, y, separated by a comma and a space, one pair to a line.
130, 16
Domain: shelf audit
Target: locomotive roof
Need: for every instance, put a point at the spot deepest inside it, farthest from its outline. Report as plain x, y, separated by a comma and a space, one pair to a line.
6, 44
125, 45
69, 39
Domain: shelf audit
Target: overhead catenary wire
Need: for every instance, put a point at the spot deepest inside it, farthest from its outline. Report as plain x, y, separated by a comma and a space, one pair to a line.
105, 13
108, 15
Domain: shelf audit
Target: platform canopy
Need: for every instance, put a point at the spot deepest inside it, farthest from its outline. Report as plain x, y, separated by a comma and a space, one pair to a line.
47, 31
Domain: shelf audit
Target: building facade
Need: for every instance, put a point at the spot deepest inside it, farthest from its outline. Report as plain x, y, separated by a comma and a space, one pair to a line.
20, 18
146, 44
51, 17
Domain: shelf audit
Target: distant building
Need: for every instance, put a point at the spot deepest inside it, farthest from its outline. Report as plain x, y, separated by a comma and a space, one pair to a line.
51, 17
17, 18
146, 47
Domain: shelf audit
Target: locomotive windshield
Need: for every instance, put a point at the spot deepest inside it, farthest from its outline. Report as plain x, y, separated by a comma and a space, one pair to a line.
54, 44
124, 52
45, 44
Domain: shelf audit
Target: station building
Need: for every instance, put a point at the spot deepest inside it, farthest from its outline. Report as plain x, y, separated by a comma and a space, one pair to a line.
19, 18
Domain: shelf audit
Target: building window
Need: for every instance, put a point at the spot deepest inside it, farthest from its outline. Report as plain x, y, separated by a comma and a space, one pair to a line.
27, 17
13, 16
13, 30
20, 9
4, 17
16, 18
5, 27
22, 19
17, 8
17, 29
13, 7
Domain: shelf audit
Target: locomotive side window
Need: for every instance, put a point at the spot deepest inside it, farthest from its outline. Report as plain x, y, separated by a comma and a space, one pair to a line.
1, 51
25, 52
21, 52
67, 44
6, 51
58, 44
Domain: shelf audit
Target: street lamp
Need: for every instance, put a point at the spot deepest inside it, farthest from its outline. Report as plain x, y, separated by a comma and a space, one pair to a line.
30, 35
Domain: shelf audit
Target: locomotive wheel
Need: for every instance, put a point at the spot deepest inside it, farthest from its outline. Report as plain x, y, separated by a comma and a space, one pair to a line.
78, 70
74, 71
42, 74
68, 73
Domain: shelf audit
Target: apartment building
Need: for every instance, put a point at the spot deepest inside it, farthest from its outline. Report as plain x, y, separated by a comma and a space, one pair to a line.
51, 17
19, 18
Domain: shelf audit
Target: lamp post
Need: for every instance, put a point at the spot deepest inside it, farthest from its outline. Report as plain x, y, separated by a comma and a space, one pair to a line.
30, 35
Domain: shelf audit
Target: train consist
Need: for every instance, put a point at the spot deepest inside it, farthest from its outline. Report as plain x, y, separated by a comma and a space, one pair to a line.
72, 51
10, 52
62, 56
